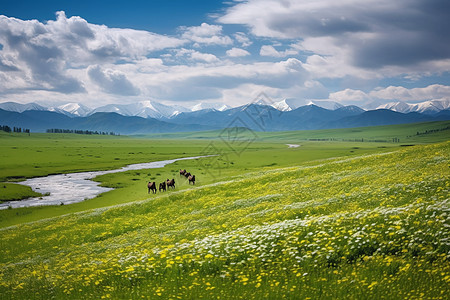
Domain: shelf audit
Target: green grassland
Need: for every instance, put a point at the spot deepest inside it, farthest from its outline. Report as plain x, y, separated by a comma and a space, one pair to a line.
406, 133
368, 226
348, 214
9, 191
240, 151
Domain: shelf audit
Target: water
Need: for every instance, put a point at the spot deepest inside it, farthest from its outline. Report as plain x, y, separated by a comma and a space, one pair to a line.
75, 187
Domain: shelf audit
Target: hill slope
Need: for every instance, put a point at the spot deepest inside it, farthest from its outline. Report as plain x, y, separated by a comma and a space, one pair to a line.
364, 227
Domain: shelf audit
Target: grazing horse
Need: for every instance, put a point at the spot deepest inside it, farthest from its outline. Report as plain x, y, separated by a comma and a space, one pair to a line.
170, 183
182, 172
187, 174
151, 186
162, 186
191, 179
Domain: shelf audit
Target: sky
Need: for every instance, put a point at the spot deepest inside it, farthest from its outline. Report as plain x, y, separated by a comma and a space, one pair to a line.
355, 52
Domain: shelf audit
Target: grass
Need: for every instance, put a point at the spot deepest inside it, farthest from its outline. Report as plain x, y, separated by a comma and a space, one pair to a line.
405, 133
372, 226
336, 218
24, 156
10, 191
131, 186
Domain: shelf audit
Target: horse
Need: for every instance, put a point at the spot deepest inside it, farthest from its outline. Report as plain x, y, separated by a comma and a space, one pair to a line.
191, 179
182, 172
162, 186
187, 174
170, 183
151, 186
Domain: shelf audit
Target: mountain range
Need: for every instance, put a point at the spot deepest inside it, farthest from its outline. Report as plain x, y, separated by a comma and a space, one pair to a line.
150, 116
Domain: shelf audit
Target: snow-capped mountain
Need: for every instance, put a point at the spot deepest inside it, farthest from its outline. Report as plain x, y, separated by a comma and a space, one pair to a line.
284, 105
205, 105
17, 107
153, 109
291, 104
427, 107
331, 105
145, 109
72, 109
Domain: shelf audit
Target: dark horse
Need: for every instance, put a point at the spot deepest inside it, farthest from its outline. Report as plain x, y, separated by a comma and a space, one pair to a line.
191, 179
170, 183
151, 186
187, 174
162, 186
182, 172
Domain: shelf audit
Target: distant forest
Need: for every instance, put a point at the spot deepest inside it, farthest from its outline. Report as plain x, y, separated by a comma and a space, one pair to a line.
56, 130
6, 128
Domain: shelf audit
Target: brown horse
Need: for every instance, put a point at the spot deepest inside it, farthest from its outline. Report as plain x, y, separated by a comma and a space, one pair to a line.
187, 174
162, 186
182, 172
191, 179
151, 186
170, 183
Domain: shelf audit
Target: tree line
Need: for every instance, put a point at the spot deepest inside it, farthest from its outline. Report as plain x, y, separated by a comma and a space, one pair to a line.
432, 130
57, 130
6, 128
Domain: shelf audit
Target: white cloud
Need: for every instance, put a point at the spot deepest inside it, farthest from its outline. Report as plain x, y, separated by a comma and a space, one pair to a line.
349, 96
206, 34
242, 39
381, 96
207, 57
399, 93
209, 81
66, 57
196, 55
268, 50
43, 54
112, 81
237, 52
391, 37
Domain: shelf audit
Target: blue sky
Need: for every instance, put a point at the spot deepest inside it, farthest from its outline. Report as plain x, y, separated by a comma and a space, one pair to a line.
159, 16
364, 53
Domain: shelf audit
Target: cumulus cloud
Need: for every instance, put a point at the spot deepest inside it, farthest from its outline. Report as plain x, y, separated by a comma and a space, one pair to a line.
304, 42
375, 34
112, 81
349, 96
207, 57
243, 39
399, 93
205, 81
269, 50
237, 52
378, 96
196, 55
43, 54
206, 34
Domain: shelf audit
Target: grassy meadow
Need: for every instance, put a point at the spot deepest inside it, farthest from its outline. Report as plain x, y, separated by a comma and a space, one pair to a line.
331, 219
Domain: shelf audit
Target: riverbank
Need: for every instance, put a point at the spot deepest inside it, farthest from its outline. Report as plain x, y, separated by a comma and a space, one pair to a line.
71, 188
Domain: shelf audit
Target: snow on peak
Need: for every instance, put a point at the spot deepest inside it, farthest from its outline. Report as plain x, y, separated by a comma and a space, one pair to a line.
431, 106
17, 107
283, 105
76, 109
327, 104
208, 105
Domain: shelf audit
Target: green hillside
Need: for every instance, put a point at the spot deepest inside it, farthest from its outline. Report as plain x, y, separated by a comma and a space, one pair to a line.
405, 133
373, 226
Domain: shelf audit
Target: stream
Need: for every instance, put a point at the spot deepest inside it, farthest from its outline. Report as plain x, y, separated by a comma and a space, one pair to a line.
75, 187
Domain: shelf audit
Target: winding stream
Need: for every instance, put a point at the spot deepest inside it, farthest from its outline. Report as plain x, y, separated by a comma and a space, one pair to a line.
75, 187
